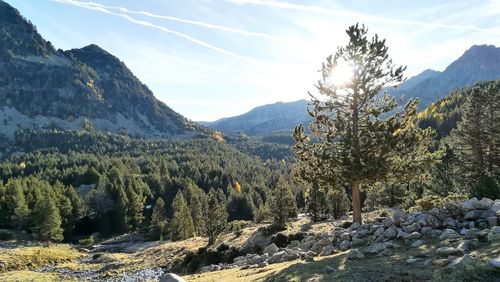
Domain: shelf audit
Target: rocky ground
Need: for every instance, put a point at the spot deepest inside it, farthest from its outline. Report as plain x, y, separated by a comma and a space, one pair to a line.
460, 242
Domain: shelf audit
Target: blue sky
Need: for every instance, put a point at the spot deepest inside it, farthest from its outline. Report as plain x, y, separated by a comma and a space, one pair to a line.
209, 59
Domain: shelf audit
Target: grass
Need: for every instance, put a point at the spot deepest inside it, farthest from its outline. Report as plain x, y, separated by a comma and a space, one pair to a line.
22, 276
23, 258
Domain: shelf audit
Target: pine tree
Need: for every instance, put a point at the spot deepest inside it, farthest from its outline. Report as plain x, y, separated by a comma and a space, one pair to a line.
215, 217
46, 218
181, 225
158, 218
361, 137
135, 206
19, 209
281, 204
477, 140
316, 201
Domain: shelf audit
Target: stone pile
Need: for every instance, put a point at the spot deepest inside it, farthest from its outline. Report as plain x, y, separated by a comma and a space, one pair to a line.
470, 222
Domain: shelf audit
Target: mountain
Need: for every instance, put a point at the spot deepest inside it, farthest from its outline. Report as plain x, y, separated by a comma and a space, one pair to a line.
479, 63
41, 87
264, 119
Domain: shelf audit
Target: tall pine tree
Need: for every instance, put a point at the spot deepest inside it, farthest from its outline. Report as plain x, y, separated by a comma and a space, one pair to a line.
215, 217
181, 226
361, 136
281, 203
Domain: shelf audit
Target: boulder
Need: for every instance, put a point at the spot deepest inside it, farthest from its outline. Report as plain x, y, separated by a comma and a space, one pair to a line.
493, 237
375, 248
468, 205
492, 221
325, 242
450, 222
495, 262
374, 228
328, 250
446, 251
401, 234
361, 233
473, 215
414, 235
171, 277
316, 248
357, 242
388, 222
344, 246
449, 234
464, 262
390, 233
495, 229
417, 244
345, 236
379, 232
294, 243
470, 234
271, 249
386, 253
467, 245
412, 228
355, 226
354, 254
426, 230
484, 204
277, 257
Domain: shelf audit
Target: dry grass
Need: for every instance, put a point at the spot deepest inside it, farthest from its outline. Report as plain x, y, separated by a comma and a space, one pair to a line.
23, 258
22, 276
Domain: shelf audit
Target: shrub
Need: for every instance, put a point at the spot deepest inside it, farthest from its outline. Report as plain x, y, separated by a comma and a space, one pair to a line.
431, 201
5, 235
87, 242
236, 226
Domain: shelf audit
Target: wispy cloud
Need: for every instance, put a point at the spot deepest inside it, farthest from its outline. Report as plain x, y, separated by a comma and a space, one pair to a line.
101, 8
358, 16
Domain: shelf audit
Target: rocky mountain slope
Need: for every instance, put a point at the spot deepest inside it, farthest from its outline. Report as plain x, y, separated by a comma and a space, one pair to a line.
41, 87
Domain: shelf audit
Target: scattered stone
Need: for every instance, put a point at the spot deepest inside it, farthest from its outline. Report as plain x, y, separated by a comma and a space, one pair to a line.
171, 277
355, 254
484, 204
449, 234
379, 231
325, 242
412, 228
345, 236
316, 248
330, 269
355, 226
401, 234
467, 245
263, 264
493, 237
473, 215
495, 262
412, 260
426, 230
271, 249
414, 235
417, 244
294, 243
277, 257
386, 253
464, 262
357, 242
374, 228
390, 233
344, 246
468, 205
375, 248
361, 233
388, 222
492, 221
470, 234
309, 258
446, 251
328, 250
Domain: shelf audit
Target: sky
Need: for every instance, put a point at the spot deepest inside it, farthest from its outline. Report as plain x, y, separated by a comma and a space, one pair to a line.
209, 59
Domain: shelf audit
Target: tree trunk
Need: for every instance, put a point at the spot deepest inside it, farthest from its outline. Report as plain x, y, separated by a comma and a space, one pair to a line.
356, 202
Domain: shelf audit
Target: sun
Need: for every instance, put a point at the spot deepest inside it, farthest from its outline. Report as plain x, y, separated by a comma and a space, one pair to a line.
341, 74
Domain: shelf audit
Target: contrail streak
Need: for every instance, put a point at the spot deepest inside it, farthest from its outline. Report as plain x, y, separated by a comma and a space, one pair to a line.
102, 9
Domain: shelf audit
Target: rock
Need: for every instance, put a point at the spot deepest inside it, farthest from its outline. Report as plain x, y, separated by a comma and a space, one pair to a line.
355, 226
470, 234
468, 205
412, 228
345, 236
208, 268
412, 260
417, 244
357, 242
390, 244
257, 260
473, 215
171, 277
277, 257
294, 243
493, 237
330, 269
426, 230
309, 259
387, 222
467, 245
484, 204
361, 233
449, 234
495, 229
492, 221
390, 233
291, 255
344, 246
386, 253
401, 234
464, 262
261, 265
316, 248
446, 251
494, 262
271, 249
374, 228
325, 242
450, 222
496, 206
328, 250
375, 248
414, 235
379, 232
355, 254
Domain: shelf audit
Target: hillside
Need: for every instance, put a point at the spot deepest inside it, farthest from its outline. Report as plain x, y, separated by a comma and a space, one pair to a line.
265, 119
41, 87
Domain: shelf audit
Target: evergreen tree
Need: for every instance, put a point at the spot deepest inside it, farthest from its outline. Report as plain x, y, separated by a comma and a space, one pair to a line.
477, 140
282, 203
196, 200
158, 218
181, 225
339, 202
215, 217
19, 209
135, 206
316, 201
46, 218
361, 136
